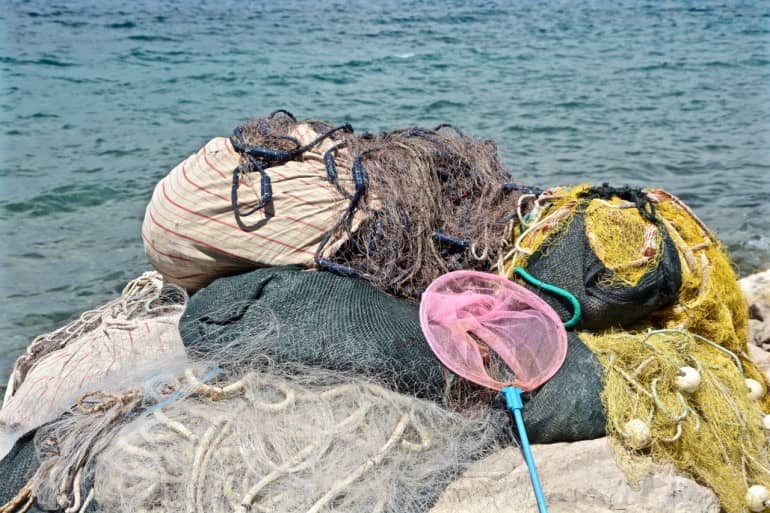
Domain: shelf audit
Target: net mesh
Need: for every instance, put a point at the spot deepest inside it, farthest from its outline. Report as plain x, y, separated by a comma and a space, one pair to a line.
491, 331
710, 301
347, 324
305, 442
423, 202
713, 433
283, 438
110, 346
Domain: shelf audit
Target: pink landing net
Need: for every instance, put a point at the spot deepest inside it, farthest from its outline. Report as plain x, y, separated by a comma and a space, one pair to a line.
491, 331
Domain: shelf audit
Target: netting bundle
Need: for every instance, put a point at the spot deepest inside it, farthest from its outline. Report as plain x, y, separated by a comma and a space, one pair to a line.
631, 256
220, 212
431, 201
676, 397
710, 300
285, 438
308, 442
605, 246
398, 208
346, 324
111, 344
289, 315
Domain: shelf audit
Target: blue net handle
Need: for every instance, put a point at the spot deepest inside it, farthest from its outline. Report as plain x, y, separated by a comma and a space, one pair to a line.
513, 401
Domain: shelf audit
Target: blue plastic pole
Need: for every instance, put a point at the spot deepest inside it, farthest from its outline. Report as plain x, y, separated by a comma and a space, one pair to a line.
513, 401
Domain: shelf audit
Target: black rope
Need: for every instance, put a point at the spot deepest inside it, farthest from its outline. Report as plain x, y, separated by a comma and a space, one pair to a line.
528, 189
282, 111
240, 145
451, 127
452, 241
331, 166
331, 169
361, 184
344, 128
259, 159
636, 196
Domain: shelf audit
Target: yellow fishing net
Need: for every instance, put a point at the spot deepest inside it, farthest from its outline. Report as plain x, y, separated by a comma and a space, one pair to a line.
710, 302
620, 237
548, 220
673, 396
711, 430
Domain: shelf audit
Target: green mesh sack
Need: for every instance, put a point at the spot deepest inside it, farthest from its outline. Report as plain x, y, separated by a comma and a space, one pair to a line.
286, 315
568, 407
17, 467
607, 247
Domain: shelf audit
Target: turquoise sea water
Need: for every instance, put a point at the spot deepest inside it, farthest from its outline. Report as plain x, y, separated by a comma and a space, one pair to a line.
99, 99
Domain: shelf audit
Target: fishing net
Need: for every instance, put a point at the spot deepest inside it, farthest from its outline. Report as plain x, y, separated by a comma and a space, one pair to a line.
606, 247
315, 318
306, 442
710, 302
435, 201
675, 397
568, 407
347, 324
398, 208
16, 469
128, 335
631, 257
420, 202
288, 438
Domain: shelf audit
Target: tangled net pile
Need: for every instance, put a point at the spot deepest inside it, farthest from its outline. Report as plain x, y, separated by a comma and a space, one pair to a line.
291, 440
713, 433
428, 201
640, 260
629, 239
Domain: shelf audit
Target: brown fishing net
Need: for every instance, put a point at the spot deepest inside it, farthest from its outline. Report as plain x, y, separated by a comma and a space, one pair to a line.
425, 202
437, 204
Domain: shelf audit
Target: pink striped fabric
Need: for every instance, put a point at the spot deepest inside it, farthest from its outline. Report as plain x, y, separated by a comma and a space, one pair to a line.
190, 233
97, 360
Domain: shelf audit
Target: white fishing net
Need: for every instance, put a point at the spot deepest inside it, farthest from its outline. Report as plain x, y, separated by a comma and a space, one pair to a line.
306, 441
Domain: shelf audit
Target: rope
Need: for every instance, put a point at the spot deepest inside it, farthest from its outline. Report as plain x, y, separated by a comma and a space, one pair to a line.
259, 159
576, 310
21, 502
255, 498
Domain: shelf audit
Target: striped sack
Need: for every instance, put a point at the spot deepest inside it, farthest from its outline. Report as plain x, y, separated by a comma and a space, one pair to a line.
109, 349
190, 232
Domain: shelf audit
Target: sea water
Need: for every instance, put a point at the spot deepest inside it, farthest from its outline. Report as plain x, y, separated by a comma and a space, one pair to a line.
100, 99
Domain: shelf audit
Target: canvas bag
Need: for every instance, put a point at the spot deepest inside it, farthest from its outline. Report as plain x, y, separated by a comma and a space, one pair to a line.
190, 232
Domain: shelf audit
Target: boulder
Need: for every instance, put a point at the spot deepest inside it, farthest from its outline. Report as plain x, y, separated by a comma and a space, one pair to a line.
578, 477
756, 288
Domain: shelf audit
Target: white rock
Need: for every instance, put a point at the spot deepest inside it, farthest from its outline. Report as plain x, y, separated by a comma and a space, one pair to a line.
756, 288
761, 358
580, 477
